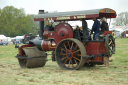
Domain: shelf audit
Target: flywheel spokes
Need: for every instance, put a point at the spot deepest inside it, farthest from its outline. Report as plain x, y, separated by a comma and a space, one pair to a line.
69, 54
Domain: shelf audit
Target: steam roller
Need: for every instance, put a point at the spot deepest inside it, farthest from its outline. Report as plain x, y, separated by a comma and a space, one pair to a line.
32, 57
71, 47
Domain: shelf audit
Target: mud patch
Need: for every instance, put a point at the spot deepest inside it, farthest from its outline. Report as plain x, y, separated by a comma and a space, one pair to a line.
2, 66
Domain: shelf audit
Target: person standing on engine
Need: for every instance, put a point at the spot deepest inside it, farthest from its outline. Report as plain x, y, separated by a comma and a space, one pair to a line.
95, 27
77, 33
103, 27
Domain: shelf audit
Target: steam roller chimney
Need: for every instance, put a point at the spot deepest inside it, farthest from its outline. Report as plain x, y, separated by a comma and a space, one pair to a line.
41, 25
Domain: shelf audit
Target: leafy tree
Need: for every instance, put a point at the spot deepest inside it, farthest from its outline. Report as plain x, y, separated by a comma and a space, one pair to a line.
15, 22
121, 20
35, 28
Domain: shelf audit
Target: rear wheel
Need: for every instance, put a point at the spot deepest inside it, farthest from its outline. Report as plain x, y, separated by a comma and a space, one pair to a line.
110, 45
70, 54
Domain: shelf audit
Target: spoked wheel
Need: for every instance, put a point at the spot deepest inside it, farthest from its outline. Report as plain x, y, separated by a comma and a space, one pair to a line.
110, 45
70, 54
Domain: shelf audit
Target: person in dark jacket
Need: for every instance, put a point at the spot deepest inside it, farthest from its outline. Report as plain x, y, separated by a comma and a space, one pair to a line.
78, 33
95, 27
103, 27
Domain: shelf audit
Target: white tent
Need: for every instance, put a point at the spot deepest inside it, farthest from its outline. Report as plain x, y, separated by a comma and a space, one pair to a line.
118, 30
19, 37
9, 39
3, 38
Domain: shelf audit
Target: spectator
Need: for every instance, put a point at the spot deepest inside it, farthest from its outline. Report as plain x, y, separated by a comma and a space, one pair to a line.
122, 35
114, 36
25, 35
95, 27
103, 27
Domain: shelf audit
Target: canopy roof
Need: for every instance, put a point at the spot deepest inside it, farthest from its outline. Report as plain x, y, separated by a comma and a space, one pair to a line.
76, 15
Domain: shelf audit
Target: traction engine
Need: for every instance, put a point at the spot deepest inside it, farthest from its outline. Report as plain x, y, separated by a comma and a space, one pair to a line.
70, 50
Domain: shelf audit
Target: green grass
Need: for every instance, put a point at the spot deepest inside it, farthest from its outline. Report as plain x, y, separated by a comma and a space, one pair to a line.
51, 74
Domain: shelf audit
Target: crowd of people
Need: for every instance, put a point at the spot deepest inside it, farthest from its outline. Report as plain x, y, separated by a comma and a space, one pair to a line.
3, 42
123, 34
12, 41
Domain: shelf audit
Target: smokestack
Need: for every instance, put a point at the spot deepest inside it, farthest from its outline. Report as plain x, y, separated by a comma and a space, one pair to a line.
41, 25
41, 11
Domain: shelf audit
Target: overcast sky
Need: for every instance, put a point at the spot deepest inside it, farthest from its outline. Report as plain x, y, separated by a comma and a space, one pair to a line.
32, 6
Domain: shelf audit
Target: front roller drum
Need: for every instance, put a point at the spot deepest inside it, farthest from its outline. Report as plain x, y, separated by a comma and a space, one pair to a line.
70, 54
34, 58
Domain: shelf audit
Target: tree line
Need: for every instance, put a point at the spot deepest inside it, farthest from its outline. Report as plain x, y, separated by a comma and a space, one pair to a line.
121, 20
14, 22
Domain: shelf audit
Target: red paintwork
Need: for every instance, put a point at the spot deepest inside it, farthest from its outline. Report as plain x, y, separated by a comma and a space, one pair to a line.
95, 48
110, 15
91, 48
108, 32
71, 18
51, 35
62, 28
45, 33
21, 48
127, 32
46, 45
91, 16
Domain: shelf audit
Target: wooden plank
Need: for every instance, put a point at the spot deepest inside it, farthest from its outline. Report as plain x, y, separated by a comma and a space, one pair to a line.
106, 61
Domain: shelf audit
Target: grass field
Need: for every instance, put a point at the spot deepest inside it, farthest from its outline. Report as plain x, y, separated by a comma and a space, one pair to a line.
51, 74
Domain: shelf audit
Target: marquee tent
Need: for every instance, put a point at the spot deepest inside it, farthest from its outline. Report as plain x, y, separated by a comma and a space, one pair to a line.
3, 38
